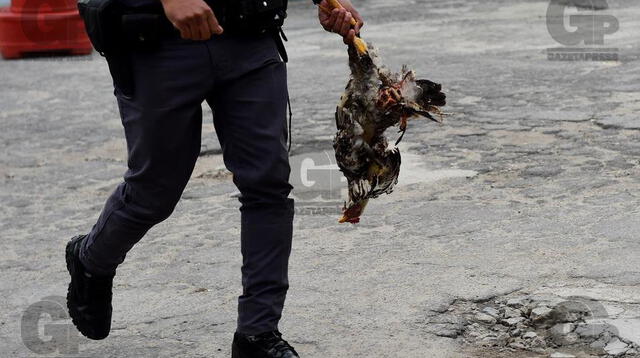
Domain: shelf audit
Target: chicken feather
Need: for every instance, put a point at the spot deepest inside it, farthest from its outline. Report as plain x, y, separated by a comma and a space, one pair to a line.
374, 100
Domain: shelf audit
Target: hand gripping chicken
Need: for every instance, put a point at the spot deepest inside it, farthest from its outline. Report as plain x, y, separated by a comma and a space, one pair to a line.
374, 100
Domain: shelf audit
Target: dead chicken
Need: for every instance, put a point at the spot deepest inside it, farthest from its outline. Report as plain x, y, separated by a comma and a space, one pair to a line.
374, 100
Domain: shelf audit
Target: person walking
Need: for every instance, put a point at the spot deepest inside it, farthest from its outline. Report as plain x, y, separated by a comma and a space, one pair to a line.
242, 76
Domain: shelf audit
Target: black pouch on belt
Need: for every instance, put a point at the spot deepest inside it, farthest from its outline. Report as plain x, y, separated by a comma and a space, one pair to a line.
252, 16
144, 25
102, 23
142, 31
113, 25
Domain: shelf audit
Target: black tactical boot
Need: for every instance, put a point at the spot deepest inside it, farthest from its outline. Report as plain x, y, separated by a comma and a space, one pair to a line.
265, 345
89, 296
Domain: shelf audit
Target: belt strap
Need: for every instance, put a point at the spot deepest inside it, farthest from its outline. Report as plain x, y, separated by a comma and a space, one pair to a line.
279, 37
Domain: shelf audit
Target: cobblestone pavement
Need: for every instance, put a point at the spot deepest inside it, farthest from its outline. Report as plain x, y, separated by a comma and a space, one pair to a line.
531, 185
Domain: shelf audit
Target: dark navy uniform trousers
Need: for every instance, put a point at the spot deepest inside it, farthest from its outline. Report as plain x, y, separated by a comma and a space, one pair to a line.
243, 79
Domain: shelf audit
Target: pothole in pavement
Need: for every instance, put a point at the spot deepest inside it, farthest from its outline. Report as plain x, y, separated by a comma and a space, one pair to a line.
545, 325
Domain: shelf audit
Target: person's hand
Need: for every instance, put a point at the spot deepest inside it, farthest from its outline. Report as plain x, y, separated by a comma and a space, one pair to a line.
339, 20
194, 18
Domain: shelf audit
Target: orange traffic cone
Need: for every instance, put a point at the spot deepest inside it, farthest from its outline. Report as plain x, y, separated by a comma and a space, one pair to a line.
32, 26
